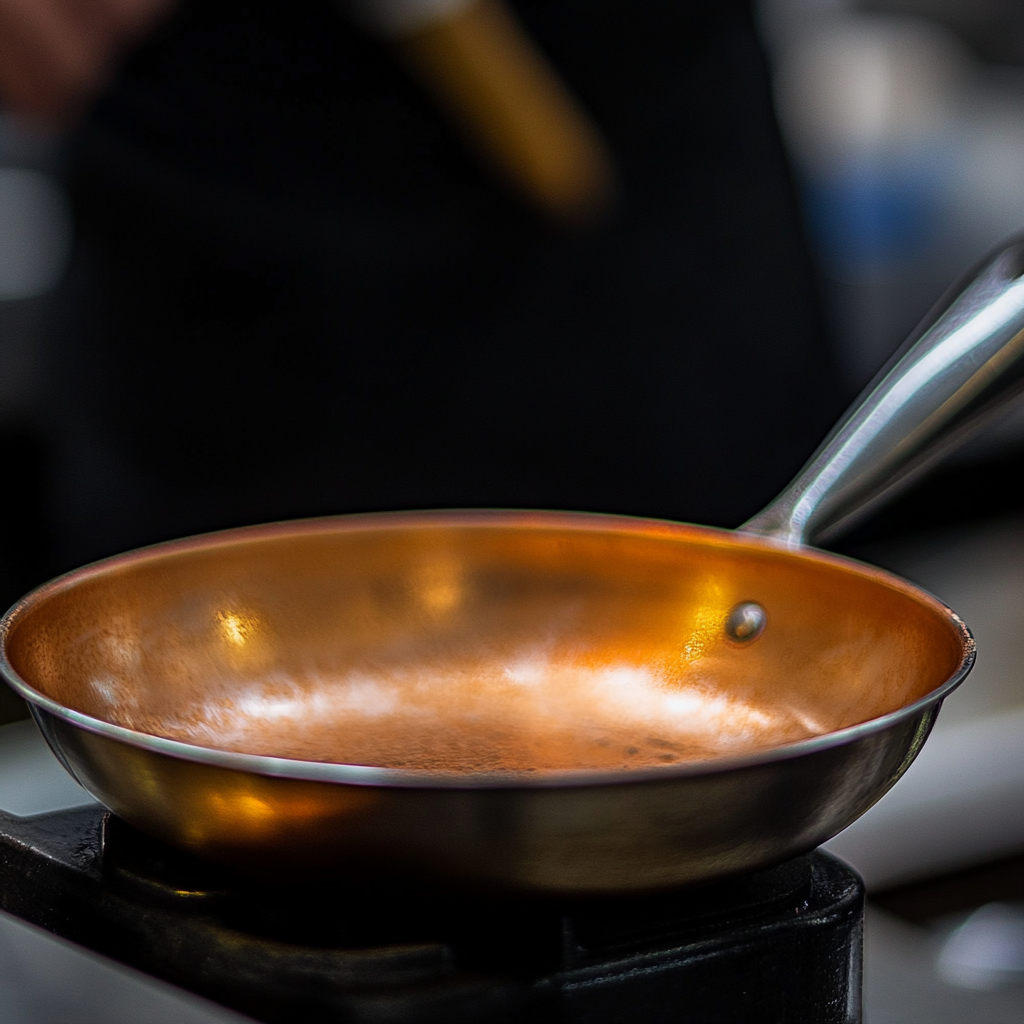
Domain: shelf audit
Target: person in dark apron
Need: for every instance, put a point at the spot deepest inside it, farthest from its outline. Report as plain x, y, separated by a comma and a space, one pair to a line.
298, 288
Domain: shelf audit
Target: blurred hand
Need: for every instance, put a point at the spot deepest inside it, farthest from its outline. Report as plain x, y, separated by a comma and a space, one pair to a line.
56, 54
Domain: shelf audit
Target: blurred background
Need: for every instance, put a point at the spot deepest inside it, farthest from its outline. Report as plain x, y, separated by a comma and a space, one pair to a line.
904, 125
35, 243
904, 120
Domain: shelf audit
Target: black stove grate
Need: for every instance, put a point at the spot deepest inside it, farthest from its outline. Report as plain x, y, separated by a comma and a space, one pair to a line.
779, 945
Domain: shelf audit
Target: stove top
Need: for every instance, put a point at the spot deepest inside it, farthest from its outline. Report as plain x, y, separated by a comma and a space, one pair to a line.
779, 945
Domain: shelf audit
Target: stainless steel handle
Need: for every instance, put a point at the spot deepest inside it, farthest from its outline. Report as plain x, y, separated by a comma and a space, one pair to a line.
953, 374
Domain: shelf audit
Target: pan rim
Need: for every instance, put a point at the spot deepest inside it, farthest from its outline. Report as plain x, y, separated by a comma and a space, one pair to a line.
404, 778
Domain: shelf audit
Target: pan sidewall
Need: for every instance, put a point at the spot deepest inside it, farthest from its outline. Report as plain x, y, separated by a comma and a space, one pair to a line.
599, 839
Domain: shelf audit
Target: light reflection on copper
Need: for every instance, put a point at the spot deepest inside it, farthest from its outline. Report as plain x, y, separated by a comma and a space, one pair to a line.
236, 628
528, 713
440, 586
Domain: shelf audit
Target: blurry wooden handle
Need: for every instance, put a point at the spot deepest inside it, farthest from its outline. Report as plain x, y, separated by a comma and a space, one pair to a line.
484, 70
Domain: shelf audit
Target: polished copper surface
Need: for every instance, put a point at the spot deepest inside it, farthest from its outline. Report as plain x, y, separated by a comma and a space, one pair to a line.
545, 700
460, 648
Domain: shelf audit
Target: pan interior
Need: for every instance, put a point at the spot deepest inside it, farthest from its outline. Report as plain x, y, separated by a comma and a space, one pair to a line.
466, 646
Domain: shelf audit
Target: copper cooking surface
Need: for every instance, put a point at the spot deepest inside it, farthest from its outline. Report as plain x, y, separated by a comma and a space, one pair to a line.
465, 648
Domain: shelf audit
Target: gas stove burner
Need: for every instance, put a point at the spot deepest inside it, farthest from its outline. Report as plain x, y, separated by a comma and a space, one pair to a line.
779, 945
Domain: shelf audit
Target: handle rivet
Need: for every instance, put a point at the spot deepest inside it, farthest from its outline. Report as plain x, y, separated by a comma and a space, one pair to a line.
745, 622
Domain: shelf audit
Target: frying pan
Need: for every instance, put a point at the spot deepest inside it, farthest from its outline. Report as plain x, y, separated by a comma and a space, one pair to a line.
544, 701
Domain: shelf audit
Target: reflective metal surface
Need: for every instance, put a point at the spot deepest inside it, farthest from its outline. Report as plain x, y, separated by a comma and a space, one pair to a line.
480, 644
558, 707
549, 701
958, 369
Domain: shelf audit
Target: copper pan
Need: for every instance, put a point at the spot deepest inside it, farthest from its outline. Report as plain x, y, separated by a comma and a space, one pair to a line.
540, 701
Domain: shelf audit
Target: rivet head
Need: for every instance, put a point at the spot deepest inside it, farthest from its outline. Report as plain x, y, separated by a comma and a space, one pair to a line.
745, 622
